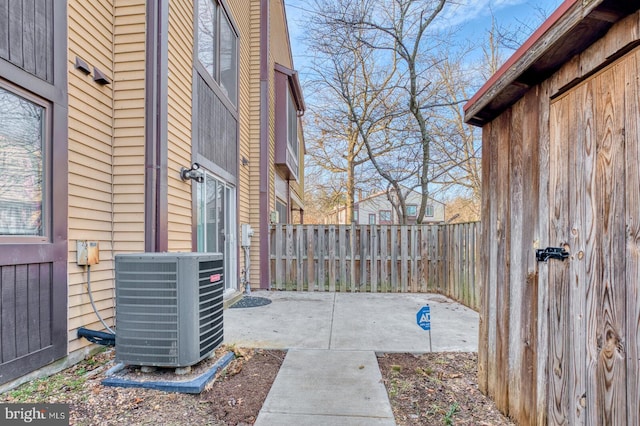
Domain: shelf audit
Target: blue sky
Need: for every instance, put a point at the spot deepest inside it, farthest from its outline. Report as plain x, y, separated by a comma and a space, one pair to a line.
473, 17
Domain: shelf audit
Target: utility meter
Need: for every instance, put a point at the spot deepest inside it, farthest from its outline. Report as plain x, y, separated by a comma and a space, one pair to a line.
247, 233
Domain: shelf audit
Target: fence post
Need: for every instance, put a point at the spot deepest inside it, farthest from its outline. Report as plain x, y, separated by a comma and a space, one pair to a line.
322, 259
374, 258
300, 259
331, 242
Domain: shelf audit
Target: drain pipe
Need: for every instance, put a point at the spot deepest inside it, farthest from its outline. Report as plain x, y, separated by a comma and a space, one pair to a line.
247, 270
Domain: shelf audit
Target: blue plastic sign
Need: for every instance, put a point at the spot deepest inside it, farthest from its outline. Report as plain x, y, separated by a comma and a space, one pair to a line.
423, 318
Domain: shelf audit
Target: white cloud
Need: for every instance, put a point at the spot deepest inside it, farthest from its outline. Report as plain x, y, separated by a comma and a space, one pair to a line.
458, 13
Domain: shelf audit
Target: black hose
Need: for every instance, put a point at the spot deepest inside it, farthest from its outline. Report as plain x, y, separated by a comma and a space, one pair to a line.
99, 337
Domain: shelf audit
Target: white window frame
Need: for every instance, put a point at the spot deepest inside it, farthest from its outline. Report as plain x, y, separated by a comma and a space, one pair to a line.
292, 125
430, 211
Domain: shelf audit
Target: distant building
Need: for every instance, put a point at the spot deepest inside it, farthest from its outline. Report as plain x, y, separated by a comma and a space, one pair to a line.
376, 209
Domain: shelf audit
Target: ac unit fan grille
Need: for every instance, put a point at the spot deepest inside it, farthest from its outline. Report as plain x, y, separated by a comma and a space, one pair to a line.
147, 321
210, 305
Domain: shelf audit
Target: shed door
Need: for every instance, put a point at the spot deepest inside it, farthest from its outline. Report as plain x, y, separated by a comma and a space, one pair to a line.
594, 186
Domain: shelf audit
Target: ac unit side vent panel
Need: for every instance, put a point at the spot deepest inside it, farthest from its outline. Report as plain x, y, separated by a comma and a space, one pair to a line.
169, 308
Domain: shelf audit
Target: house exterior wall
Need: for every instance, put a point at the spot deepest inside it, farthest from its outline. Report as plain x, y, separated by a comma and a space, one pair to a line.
560, 169
91, 178
179, 111
247, 18
106, 151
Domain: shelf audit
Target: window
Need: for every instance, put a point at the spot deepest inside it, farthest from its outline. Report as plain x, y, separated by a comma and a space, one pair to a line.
288, 105
22, 166
429, 212
292, 124
372, 219
216, 223
412, 210
281, 208
355, 216
385, 217
218, 47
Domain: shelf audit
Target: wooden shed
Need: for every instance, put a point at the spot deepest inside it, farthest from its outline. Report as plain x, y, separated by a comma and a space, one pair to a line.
560, 340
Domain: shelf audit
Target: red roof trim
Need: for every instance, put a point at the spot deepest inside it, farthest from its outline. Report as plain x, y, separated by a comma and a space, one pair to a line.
537, 35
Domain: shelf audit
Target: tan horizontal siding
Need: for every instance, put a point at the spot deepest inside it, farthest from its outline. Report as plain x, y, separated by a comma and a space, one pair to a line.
180, 62
90, 156
106, 149
129, 125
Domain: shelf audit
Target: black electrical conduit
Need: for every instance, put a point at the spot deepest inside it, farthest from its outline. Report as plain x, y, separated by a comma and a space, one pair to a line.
99, 337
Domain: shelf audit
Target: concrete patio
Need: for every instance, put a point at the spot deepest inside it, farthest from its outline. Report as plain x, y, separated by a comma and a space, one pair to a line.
330, 375
381, 322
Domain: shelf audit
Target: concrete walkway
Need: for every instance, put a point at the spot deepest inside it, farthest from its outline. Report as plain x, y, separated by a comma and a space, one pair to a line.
330, 375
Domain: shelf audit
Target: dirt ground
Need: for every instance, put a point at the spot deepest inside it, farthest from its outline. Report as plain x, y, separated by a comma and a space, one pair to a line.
430, 389
437, 389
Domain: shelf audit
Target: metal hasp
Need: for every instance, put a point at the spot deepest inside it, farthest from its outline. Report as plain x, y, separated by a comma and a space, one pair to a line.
551, 253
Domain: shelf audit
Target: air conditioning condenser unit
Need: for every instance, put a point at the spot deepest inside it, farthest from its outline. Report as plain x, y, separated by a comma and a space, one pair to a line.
168, 308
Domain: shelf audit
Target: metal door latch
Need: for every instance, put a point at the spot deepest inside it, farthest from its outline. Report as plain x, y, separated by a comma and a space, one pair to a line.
542, 255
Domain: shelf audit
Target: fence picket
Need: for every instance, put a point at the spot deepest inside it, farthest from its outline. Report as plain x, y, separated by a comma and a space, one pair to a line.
404, 260
311, 260
364, 258
300, 258
342, 247
322, 258
374, 259
331, 242
378, 258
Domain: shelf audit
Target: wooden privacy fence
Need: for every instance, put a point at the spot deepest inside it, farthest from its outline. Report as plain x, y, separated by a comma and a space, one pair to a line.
378, 258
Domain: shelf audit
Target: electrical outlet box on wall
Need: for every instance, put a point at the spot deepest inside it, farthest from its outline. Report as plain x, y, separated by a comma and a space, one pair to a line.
88, 252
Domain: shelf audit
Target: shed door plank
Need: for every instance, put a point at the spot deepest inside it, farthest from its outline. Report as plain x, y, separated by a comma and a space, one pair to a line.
503, 222
610, 185
516, 269
531, 217
542, 234
483, 339
558, 271
632, 147
585, 257
492, 264
581, 236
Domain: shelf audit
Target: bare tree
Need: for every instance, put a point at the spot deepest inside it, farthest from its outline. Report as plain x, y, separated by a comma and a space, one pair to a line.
402, 28
347, 99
